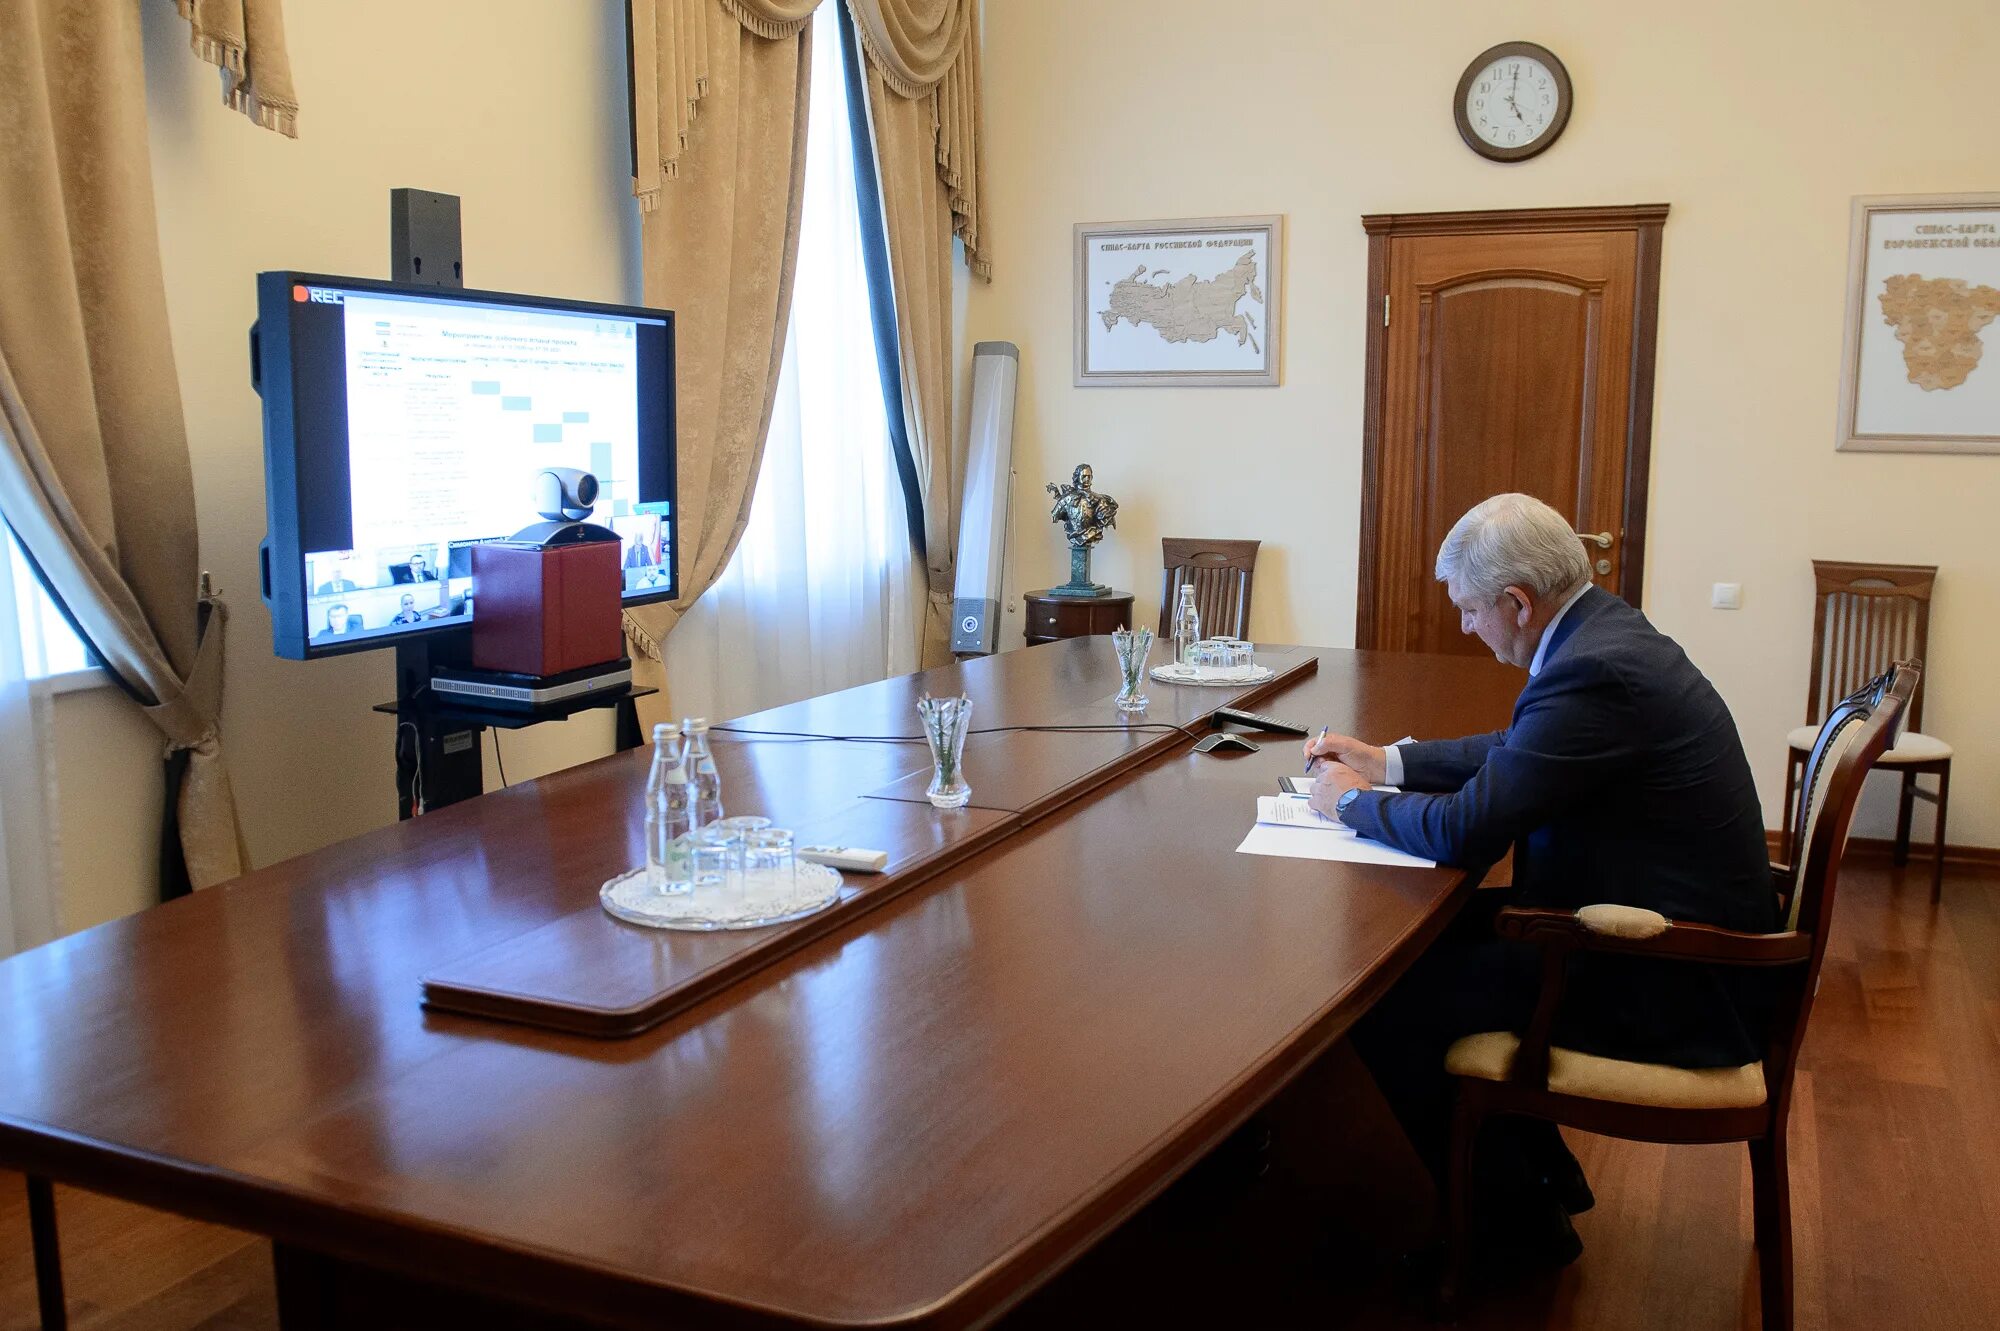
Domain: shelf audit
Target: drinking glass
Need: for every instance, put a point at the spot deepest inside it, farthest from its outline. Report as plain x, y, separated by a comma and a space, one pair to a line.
769, 863
946, 721
745, 823
1133, 647
715, 860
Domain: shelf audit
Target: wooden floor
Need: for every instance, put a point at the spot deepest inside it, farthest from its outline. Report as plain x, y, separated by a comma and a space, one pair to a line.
1895, 1144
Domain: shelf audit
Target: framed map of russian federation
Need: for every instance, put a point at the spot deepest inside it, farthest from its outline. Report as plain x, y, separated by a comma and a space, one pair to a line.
1920, 367
1192, 302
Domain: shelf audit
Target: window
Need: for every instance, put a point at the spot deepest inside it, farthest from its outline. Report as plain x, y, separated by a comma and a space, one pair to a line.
34, 642
49, 646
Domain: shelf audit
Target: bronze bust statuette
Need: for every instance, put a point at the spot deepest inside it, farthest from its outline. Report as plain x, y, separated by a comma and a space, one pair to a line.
1085, 516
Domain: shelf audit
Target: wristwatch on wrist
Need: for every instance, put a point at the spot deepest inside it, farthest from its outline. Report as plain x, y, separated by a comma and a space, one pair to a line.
1340, 805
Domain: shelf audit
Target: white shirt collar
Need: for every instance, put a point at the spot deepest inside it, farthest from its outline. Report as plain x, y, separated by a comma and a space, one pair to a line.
1541, 648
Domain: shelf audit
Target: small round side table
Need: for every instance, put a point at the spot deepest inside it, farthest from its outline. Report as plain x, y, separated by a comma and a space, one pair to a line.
1051, 617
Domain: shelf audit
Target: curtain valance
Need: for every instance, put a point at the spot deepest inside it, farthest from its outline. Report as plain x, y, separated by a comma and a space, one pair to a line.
772, 19
923, 50
914, 43
246, 40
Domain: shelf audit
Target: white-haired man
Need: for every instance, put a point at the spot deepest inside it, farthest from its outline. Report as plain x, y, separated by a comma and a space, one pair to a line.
1620, 779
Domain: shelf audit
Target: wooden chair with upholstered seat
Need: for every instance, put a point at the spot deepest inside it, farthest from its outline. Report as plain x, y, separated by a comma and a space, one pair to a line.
1221, 571
1864, 617
1500, 1072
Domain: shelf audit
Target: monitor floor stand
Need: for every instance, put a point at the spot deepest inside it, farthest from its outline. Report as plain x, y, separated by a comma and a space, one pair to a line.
438, 759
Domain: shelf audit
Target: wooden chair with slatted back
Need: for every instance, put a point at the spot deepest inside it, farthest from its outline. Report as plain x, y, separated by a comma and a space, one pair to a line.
1221, 571
1501, 1072
1864, 617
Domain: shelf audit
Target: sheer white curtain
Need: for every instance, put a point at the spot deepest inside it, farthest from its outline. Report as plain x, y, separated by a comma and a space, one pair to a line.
821, 593
29, 911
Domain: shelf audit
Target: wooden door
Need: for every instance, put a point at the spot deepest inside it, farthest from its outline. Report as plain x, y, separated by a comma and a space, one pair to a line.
1507, 351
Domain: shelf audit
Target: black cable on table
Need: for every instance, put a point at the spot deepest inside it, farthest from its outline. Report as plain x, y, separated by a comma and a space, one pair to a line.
1159, 726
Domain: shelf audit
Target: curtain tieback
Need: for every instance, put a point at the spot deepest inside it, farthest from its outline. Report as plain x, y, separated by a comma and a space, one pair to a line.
645, 640
189, 718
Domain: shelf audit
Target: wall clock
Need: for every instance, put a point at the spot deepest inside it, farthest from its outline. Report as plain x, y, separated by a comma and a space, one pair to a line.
1512, 102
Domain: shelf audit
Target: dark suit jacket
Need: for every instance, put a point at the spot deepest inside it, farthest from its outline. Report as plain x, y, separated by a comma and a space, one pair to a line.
1622, 779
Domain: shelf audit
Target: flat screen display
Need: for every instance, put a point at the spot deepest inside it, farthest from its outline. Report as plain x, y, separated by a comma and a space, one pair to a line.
405, 424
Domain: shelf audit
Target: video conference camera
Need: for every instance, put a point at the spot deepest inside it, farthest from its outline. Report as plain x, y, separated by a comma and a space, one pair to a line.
564, 496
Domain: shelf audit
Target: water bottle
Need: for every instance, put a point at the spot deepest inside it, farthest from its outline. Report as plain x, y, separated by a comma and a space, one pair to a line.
668, 805
1187, 625
701, 772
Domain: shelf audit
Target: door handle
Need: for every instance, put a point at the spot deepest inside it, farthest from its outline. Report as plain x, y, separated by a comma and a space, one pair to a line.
1600, 539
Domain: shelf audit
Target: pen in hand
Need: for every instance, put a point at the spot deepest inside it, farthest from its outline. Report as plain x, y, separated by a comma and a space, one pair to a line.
1309, 756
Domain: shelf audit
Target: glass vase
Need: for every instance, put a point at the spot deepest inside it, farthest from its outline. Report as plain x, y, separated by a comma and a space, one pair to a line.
946, 721
1133, 646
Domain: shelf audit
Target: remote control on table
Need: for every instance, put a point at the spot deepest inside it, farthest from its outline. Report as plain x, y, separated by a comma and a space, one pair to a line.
1257, 721
855, 858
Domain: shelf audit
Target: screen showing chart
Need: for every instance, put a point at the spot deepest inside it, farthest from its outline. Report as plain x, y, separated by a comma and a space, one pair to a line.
418, 419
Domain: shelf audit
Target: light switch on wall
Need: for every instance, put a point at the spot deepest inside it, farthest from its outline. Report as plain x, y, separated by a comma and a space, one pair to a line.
1727, 596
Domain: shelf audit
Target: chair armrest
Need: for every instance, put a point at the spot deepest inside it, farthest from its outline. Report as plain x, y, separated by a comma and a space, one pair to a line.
1631, 932
1591, 930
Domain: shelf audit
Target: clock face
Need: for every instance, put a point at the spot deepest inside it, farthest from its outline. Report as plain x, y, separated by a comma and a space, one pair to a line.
1513, 101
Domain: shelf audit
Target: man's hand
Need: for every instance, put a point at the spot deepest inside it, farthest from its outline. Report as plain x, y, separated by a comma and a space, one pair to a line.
1335, 780
1369, 760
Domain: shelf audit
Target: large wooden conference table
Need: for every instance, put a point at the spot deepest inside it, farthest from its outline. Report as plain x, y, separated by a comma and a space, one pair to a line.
1072, 990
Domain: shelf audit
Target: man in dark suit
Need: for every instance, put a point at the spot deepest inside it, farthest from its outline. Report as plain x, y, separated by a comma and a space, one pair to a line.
1621, 779
340, 620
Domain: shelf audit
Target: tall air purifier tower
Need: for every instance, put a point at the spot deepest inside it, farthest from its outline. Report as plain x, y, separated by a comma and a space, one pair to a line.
982, 538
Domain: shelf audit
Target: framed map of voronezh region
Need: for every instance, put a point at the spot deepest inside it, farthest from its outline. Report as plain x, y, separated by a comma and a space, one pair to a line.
1192, 302
1920, 368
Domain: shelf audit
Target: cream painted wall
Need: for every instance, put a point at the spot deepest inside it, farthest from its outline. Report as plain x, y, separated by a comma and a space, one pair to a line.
1757, 123
517, 106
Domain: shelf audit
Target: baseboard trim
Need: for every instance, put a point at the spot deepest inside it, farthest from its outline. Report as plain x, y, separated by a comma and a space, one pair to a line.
1882, 850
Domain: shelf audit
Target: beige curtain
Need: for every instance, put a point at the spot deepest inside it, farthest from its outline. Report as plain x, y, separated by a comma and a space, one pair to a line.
719, 107
246, 40
94, 473
923, 100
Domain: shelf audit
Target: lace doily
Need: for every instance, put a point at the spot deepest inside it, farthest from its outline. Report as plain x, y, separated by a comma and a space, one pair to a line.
1217, 676
762, 899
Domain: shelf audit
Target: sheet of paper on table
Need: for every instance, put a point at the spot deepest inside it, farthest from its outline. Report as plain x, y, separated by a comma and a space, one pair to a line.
1287, 825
